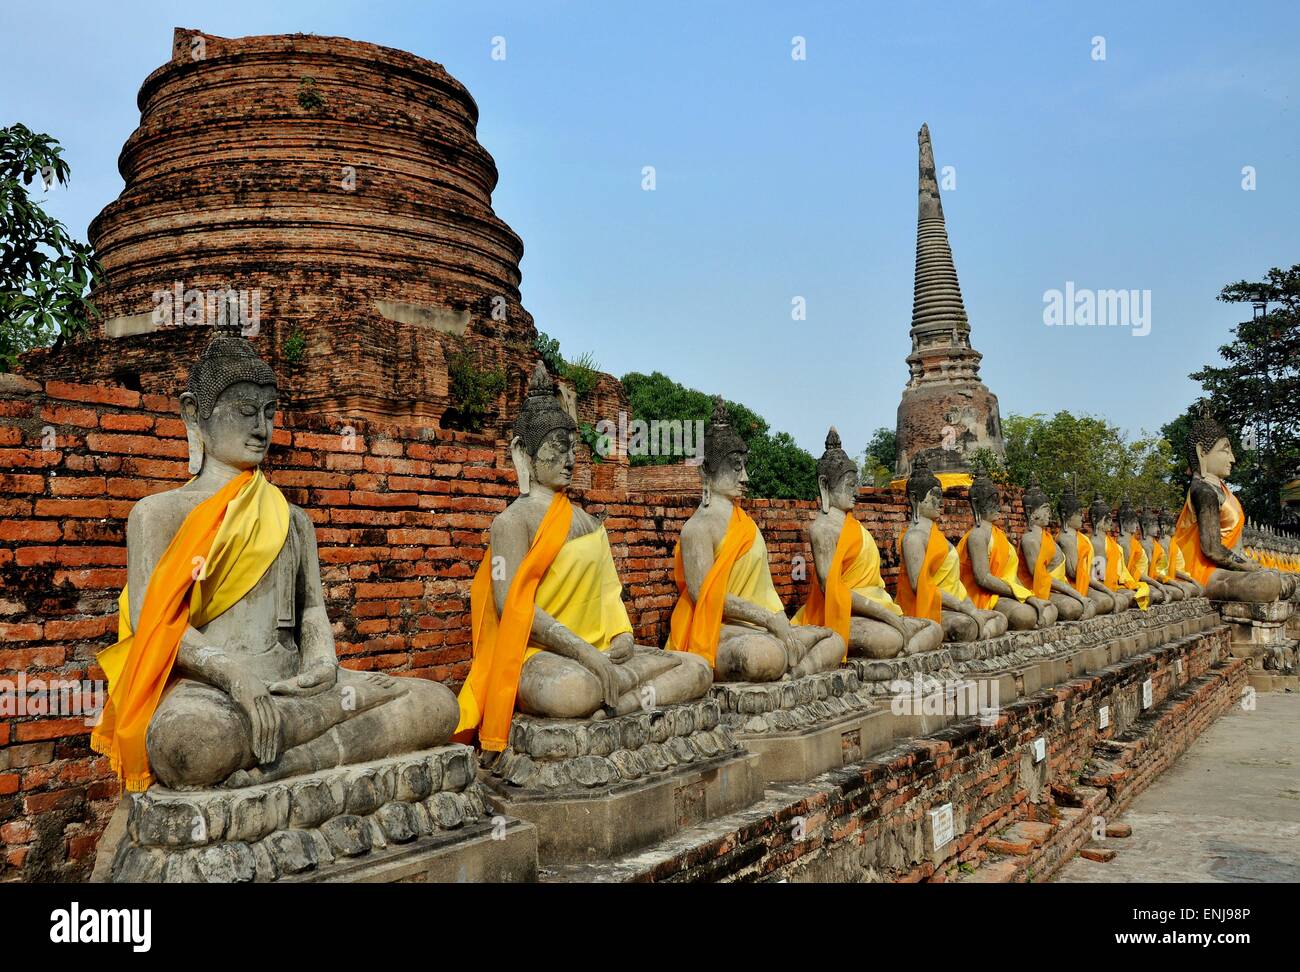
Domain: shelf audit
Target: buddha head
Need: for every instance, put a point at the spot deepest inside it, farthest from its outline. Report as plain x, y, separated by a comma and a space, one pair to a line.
924, 493
1038, 508
543, 447
723, 470
837, 476
1167, 521
985, 500
229, 404
1099, 513
1150, 520
1208, 449
1070, 510
1129, 521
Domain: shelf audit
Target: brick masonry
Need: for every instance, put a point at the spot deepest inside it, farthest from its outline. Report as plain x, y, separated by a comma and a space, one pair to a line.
401, 515
1014, 819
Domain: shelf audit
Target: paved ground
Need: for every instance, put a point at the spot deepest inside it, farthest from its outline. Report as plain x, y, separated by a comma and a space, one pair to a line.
1227, 811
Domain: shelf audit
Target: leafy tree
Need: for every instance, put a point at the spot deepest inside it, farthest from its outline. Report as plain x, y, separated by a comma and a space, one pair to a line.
583, 371
880, 457
1256, 390
45, 275
778, 468
1092, 456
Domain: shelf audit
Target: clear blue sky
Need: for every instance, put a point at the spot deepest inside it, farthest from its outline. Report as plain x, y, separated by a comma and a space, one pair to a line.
778, 178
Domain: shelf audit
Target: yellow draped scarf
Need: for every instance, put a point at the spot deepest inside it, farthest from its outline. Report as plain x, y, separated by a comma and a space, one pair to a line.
222, 549
1232, 521
1040, 583
926, 601
1117, 574
1003, 564
740, 568
487, 699
1083, 563
855, 569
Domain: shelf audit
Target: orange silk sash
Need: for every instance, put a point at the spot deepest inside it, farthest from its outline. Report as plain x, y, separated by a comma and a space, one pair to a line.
697, 626
1137, 559
925, 601
1158, 554
1041, 582
156, 642
1187, 536
487, 699
1083, 562
834, 608
999, 554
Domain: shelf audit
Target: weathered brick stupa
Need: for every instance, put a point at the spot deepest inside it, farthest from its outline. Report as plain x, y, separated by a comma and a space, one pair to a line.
339, 190
946, 412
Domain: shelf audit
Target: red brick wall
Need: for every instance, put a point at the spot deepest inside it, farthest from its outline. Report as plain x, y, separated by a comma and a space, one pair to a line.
400, 518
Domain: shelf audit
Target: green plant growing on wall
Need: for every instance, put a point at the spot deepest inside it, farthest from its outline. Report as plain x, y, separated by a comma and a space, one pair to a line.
473, 389
592, 439
309, 99
295, 346
584, 372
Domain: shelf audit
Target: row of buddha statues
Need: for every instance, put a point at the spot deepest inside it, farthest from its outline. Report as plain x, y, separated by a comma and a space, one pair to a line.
1269, 548
225, 671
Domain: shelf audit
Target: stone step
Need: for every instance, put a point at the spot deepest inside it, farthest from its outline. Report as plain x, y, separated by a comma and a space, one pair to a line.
1100, 854
1020, 838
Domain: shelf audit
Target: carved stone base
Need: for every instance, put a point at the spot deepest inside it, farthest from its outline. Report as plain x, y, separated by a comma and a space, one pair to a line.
421, 816
803, 727
923, 693
1260, 635
599, 789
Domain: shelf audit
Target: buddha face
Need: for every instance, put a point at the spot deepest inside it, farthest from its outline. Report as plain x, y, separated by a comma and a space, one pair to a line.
1128, 524
238, 432
1041, 515
1219, 460
730, 478
1102, 524
552, 467
931, 505
986, 511
842, 493
1075, 520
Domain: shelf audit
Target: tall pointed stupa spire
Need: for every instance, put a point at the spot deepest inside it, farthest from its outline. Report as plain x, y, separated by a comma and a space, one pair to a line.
946, 412
936, 296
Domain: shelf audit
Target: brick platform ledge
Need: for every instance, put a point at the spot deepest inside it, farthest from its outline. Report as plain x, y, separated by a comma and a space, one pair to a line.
1015, 818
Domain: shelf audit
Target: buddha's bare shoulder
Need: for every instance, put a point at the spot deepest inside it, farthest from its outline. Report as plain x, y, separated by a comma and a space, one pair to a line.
158, 509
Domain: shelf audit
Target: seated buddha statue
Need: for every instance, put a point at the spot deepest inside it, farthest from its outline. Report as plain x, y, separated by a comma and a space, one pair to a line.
990, 565
1042, 565
1209, 527
1174, 569
728, 611
1157, 556
1076, 547
1139, 565
845, 590
225, 671
929, 574
550, 633
1110, 566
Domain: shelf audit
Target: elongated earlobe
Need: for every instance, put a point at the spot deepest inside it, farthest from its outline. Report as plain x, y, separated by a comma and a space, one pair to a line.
523, 469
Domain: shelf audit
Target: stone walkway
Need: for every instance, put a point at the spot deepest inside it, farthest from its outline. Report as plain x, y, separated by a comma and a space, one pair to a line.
1227, 811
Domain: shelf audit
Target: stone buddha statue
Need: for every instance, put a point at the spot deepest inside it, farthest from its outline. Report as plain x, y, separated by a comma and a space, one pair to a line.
551, 635
1157, 556
929, 575
989, 565
1042, 566
728, 611
1109, 565
1137, 560
1076, 547
1175, 569
846, 591
225, 671
1210, 525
